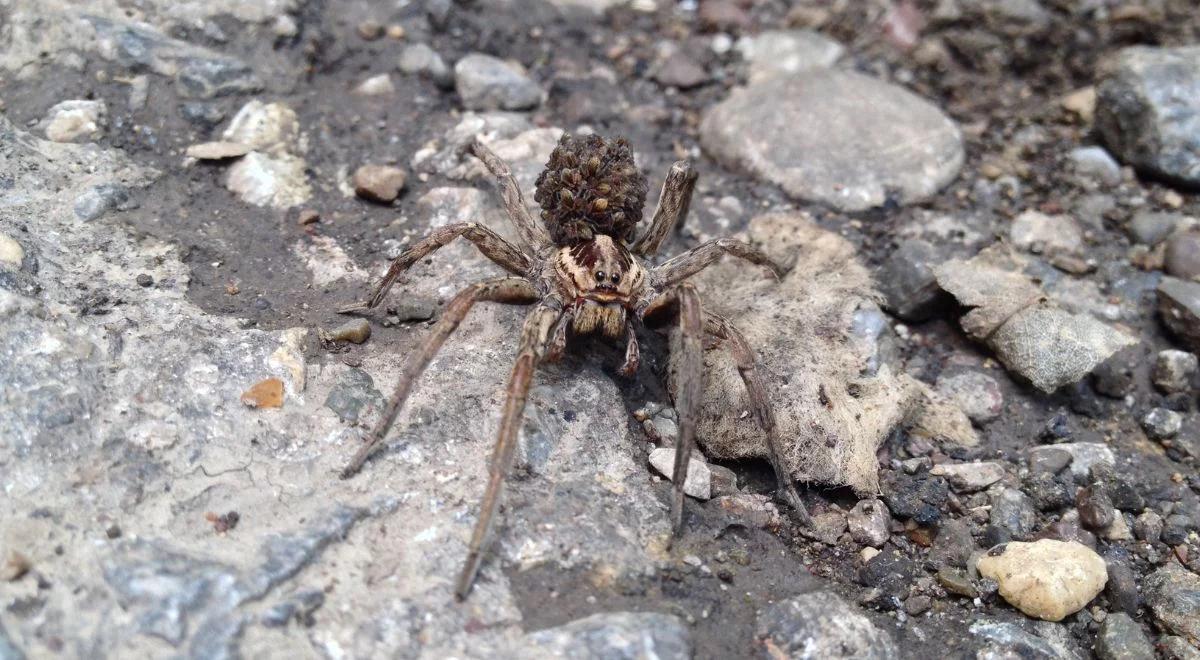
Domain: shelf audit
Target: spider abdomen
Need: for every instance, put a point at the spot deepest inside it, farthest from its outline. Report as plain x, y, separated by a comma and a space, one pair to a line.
591, 187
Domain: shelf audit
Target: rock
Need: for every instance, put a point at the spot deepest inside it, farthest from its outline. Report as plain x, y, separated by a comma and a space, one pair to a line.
1046, 234
1122, 587
890, 572
1148, 110
15, 566
1182, 258
1148, 526
1045, 579
70, 121
488, 83
266, 127
202, 113
917, 499
869, 523
953, 545
206, 78
821, 625
975, 392
379, 183
1081, 103
1162, 424
679, 70
1050, 460
753, 510
219, 150
836, 137
1174, 370
614, 635
1179, 308
697, 484
1152, 227
100, 199
370, 30
969, 477
144, 280
1177, 648
353, 396
420, 59
907, 282
11, 252
263, 180
787, 52
266, 393
1084, 455
827, 526
1042, 342
379, 85
1096, 164
957, 582
1114, 377
1095, 507
1043, 641
1173, 594
1013, 514
356, 331
1047, 491
1176, 528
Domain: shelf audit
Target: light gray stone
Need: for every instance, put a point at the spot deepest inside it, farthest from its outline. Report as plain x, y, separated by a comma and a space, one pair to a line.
1173, 594
969, 477
1046, 234
786, 52
1162, 424
836, 137
1148, 110
977, 393
869, 523
488, 83
1174, 370
420, 59
1096, 165
822, 625
698, 481
614, 636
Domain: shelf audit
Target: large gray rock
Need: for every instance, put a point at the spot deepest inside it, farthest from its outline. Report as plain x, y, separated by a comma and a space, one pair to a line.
489, 83
130, 393
821, 625
837, 137
1148, 111
1121, 638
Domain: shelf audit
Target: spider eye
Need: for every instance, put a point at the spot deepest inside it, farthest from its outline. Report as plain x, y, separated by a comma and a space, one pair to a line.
615, 277
599, 276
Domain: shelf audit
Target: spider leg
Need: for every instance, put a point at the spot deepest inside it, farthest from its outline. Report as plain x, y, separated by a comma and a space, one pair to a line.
500, 251
747, 367
633, 351
513, 290
681, 267
672, 208
687, 361
534, 338
532, 233
558, 339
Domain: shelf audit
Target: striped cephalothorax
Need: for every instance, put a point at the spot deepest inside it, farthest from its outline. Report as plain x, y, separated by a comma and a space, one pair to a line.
584, 273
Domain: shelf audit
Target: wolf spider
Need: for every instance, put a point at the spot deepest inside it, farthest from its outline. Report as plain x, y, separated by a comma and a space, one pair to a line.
584, 272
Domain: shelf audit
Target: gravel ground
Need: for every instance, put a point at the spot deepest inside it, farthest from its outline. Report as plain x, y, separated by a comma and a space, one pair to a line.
984, 357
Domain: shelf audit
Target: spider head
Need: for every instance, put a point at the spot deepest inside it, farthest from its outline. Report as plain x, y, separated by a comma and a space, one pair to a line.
591, 187
600, 270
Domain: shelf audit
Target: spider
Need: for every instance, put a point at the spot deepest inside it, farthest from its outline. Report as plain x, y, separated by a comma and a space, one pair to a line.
584, 272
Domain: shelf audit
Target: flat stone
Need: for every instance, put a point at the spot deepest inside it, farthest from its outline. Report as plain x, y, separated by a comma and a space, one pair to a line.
379, 183
679, 70
1045, 579
821, 625
787, 52
1162, 424
1096, 164
1179, 309
263, 180
1083, 455
1041, 641
212, 77
836, 137
612, 635
1046, 234
70, 121
268, 127
420, 59
969, 477
1012, 514
98, 200
380, 85
1173, 594
1148, 110
975, 392
219, 150
489, 83
697, 483
1153, 227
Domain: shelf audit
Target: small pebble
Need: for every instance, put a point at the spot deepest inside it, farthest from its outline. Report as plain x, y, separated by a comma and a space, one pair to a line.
1045, 579
698, 481
356, 331
266, 393
1095, 507
396, 31
370, 30
869, 523
1148, 526
145, 280
308, 217
1162, 424
218, 150
113, 532
379, 183
11, 252
1174, 370
380, 85
15, 566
